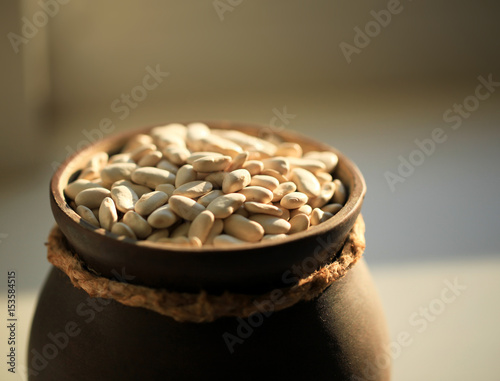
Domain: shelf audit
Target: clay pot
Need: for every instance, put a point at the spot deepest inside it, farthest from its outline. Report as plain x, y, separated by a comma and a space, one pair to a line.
340, 335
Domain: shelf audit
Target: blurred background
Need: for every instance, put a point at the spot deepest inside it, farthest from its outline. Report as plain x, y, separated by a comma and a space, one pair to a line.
409, 90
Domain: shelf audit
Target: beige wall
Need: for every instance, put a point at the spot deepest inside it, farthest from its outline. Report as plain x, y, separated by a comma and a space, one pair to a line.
256, 56
25, 100
100, 48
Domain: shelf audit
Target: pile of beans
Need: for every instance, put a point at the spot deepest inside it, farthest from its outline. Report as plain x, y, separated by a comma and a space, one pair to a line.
196, 186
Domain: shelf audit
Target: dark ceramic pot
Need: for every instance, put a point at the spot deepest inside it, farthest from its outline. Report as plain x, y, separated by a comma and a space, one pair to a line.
341, 335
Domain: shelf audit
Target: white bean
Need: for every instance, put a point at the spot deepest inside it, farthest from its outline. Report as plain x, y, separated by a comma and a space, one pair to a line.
171, 129
124, 198
209, 197
198, 155
327, 191
216, 230
138, 189
122, 229
243, 228
194, 189
201, 225
196, 132
265, 181
248, 142
224, 206
149, 202
278, 176
152, 177
182, 230
340, 195
324, 177
332, 208
184, 175
236, 180
318, 216
294, 200
279, 164
72, 189
313, 166
163, 217
258, 194
253, 166
288, 149
238, 161
274, 237
98, 161
285, 212
211, 163
141, 151
304, 209
306, 182
330, 159
89, 174
259, 208
137, 141
221, 145
166, 188
177, 155
150, 160
181, 241
185, 207
88, 215
107, 213
283, 189
242, 211
120, 158
225, 240
162, 233
92, 197
166, 140
138, 224
271, 224
216, 178
167, 166
117, 171
299, 223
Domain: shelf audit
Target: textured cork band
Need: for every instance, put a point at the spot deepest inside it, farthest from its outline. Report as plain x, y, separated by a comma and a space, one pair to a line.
203, 307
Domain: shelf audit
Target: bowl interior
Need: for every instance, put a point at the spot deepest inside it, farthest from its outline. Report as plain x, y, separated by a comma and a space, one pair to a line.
248, 268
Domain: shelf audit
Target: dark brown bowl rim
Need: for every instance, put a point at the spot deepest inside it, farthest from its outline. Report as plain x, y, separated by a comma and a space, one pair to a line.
357, 192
